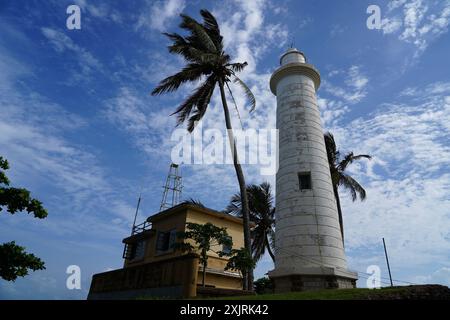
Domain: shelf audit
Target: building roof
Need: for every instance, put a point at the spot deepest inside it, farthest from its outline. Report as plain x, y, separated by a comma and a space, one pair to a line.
186, 206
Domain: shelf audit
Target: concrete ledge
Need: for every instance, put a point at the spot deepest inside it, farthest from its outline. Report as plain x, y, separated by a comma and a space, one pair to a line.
302, 279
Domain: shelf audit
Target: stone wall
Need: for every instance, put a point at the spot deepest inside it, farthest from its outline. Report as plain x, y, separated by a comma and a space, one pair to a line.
172, 278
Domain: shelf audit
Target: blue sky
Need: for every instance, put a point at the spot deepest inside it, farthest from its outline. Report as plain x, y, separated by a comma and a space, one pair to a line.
83, 133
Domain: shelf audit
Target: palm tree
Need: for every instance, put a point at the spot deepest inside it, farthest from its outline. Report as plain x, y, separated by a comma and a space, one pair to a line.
206, 61
262, 213
339, 178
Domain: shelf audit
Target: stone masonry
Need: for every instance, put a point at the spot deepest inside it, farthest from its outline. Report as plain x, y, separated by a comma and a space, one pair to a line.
309, 250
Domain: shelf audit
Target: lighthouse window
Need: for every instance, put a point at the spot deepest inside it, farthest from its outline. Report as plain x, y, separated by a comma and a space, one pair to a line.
304, 179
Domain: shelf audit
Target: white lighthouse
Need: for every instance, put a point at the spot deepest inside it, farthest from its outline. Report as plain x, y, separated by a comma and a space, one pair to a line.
309, 252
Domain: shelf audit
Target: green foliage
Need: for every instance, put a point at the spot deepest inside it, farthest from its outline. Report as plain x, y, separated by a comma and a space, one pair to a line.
202, 49
339, 177
204, 236
15, 262
262, 214
263, 285
17, 199
240, 260
194, 202
5, 166
338, 166
207, 66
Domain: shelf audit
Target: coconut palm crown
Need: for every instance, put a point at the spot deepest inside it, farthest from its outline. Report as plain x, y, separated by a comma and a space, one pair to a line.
338, 166
262, 214
206, 62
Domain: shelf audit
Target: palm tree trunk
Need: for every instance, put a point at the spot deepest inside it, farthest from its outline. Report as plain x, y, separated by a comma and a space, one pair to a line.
269, 249
203, 275
338, 203
241, 180
204, 253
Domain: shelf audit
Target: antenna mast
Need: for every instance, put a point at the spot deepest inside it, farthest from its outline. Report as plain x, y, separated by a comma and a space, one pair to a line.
136, 213
172, 189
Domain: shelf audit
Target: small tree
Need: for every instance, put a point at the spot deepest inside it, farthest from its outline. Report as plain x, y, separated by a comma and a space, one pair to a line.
242, 261
263, 285
204, 236
14, 261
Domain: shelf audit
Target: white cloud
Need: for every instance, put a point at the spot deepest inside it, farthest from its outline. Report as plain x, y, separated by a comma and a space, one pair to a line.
440, 276
391, 25
87, 63
100, 10
159, 13
417, 22
149, 130
407, 181
355, 88
246, 33
33, 138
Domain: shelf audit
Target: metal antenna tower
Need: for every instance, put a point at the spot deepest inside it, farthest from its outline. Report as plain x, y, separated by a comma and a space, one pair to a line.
172, 189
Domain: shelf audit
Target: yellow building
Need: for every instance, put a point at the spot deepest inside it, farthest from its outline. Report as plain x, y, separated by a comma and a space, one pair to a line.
153, 268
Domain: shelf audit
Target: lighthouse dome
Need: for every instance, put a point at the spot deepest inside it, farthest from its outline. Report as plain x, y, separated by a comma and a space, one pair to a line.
292, 55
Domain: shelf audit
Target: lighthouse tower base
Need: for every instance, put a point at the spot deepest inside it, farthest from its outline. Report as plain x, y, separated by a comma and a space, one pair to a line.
305, 279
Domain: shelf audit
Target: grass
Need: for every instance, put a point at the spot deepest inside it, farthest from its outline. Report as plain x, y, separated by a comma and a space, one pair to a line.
333, 294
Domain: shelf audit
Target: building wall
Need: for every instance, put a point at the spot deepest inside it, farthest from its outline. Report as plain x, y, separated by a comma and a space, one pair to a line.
220, 281
178, 220
173, 221
235, 231
175, 278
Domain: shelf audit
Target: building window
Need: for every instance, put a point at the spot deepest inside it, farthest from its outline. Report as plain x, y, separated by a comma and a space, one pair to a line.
165, 240
135, 251
304, 180
226, 249
139, 250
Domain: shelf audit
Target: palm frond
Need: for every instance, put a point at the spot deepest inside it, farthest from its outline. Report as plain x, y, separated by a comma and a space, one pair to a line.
198, 36
235, 105
332, 152
191, 72
248, 93
237, 66
202, 104
349, 159
193, 202
212, 27
235, 206
258, 243
353, 186
271, 235
187, 50
195, 99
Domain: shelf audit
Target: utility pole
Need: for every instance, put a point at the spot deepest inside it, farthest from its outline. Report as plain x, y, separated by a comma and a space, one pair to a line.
387, 261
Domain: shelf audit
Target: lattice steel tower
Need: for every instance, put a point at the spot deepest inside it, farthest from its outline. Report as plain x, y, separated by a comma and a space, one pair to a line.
172, 188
